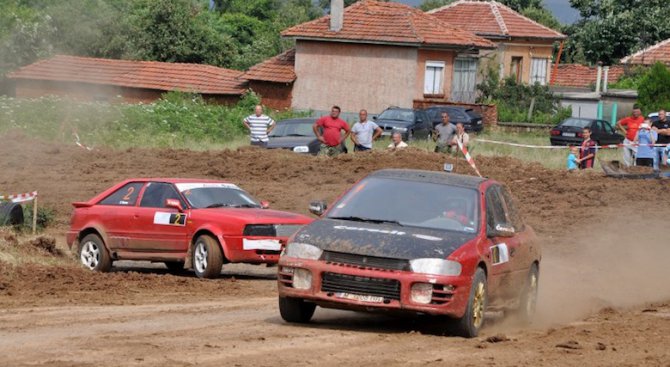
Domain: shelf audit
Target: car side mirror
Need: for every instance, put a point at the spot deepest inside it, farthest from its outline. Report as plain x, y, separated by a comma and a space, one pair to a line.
174, 204
318, 207
501, 230
265, 205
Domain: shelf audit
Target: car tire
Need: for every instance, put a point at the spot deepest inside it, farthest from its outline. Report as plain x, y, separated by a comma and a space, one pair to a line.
93, 254
472, 321
174, 266
528, 299
207, 257
296, 310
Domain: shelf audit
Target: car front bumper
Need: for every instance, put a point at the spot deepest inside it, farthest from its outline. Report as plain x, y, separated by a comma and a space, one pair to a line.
350, 287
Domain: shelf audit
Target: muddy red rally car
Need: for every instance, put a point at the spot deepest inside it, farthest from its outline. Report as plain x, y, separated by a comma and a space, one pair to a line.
414, 242
182, 222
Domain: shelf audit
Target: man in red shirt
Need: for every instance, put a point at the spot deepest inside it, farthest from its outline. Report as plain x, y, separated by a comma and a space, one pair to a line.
629, 126
331, 126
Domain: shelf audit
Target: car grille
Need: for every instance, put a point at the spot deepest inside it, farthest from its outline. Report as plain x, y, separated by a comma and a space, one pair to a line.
336, 283
287, 230
370, 262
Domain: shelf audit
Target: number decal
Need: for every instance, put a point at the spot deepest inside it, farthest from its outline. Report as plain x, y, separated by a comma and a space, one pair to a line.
131, 190
177, 219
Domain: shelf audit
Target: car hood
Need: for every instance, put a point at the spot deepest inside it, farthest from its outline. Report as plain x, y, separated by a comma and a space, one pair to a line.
289, 141
381, 240
252, 215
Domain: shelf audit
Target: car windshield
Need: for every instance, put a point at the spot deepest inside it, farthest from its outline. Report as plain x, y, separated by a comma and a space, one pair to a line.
216, 195
293, 129
410, 203
400, 115
576, 123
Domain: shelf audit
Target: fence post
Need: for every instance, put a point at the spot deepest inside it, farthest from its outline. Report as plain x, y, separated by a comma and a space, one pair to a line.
614, 112
530, 109
35, 215
600, 110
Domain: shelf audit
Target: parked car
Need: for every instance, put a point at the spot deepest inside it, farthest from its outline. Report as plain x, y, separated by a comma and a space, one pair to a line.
411, 123
181, 222
569, 132
471, 120
653, 117
452, 246
296, 135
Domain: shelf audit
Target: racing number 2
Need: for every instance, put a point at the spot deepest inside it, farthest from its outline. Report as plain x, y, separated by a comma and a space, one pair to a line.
130, 192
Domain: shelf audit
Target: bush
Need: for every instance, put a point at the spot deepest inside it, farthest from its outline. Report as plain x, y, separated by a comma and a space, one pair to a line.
653, 92
45, 217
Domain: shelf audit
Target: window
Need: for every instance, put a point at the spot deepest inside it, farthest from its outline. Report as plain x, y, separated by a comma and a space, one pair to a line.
495, 211
156, 193
512, 211
434, 77
538, 71
465, 80
516, 67
125, 196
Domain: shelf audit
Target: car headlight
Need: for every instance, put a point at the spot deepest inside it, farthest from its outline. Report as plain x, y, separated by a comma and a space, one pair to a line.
301, 149
400, 129
435, 266
302, 251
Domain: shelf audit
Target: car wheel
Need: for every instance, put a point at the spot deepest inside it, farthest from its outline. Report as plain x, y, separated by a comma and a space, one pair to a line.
528, 301
174, 266
296, 310
472, 321
93, 253
207, 257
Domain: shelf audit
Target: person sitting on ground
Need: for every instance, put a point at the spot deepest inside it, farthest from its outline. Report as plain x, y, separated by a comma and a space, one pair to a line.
364, 132
645, 151
460, 137
572, 159
587, 151
396, 142
443, 134
332, 125
629, 126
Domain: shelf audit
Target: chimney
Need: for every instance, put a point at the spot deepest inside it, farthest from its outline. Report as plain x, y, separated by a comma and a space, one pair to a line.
336, 15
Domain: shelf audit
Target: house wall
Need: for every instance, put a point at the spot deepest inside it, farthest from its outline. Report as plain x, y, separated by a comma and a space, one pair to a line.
527, 50
434, 55
277, 96
353, 76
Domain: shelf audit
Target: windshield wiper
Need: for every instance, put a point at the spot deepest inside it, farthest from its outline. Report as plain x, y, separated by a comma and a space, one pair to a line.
217, 205
368, 220
296, 135
222, 205
244, 206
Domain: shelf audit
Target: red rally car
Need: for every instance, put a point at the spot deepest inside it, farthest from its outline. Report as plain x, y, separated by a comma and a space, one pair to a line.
181, 222
417, 242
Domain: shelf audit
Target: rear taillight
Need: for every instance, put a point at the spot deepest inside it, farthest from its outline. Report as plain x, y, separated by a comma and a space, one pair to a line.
555, 132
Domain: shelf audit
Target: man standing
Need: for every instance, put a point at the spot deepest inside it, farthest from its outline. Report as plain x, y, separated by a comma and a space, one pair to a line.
444, 134
629, 126
259, 126
662, 128
364, 132
587, 151
332, 127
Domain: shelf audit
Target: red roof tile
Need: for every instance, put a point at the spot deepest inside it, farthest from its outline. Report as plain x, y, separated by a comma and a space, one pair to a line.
493, 19
197, 78
576, 75
280, 69
370, 21
659, 52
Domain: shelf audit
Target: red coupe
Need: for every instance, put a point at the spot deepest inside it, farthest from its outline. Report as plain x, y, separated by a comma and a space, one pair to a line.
199, 224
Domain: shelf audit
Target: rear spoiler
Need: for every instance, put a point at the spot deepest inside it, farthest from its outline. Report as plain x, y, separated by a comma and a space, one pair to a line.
82, 204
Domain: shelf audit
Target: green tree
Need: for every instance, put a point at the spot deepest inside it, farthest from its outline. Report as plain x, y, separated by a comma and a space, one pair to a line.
427, 5
653, 92
520, 5
542, 16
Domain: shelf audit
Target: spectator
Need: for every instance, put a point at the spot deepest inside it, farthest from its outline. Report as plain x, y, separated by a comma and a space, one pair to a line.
572, 159
444, 134
587, 151
332, 126
629, 126
259, 126
364, 132
645, 152
396, 143
662, 128
460, 137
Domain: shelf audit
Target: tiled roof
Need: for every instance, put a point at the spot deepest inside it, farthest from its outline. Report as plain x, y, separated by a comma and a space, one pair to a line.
279, 69
197, 78
493, 19
370, 21
576, 75
658, 52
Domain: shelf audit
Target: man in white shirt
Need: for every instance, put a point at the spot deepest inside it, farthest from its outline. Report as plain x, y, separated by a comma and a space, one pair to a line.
364, 132
396, 143
259, 126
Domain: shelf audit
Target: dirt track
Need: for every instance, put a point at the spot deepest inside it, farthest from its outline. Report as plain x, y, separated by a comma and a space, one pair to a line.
603, 279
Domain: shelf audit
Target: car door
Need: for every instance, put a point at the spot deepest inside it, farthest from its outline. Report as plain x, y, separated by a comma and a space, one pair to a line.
611, 135
498, 251
115, 213
520, 245
156, 227
598, 133
421, 125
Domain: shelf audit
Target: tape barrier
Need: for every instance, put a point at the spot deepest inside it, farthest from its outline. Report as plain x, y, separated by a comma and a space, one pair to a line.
468, 158
79, 144
608, 146
19, 198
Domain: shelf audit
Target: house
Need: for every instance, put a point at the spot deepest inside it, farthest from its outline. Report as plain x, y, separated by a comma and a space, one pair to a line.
659, 52
273, 80
94, 79
524, 47
374, 54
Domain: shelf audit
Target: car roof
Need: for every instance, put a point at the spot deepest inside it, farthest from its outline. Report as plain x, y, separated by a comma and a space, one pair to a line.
401, 108
442, 178
298, 120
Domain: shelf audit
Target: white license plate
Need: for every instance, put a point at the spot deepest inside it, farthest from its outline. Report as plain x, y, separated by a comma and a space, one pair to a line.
270, 245
570, 135
358, 297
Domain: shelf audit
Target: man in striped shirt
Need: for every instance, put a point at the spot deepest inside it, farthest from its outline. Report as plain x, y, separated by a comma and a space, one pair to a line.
259, 126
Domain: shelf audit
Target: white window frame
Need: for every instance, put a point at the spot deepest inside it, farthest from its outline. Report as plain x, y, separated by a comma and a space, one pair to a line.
433, 80
538, 70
